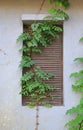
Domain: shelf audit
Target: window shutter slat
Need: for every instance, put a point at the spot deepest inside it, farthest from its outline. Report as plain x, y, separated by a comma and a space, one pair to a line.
51, 60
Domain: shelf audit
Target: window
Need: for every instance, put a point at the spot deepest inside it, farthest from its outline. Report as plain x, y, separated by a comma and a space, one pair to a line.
51, 60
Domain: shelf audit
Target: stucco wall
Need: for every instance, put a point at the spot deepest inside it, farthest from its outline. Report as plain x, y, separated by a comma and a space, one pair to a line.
13, 116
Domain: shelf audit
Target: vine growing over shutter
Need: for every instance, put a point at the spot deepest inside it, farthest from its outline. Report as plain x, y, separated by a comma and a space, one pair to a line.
77, 122
41, 34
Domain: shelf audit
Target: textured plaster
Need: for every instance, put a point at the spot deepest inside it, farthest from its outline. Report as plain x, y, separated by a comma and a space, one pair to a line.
13, 116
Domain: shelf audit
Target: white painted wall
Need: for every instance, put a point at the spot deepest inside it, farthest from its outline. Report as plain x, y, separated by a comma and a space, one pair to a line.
13, 116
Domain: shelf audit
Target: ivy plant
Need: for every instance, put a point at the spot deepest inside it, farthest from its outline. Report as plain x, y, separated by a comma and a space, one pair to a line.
40, 34
33, 81
61, 3
77, 122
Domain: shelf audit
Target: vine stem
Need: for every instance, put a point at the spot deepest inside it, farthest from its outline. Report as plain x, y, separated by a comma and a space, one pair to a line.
80, 124
42, 3
37, 116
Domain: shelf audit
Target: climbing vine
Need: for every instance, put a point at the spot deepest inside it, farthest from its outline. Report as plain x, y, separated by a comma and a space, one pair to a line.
40, 34
33, 81
77, 122
61, 3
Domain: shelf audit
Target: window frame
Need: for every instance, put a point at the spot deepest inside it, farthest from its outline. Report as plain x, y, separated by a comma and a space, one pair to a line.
29, 18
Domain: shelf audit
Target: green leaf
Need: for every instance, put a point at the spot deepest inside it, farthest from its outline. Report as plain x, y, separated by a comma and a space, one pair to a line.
35, 26
31, 105
57, 14
24, 36
74, 123
77, 109
26, 62
36, 50
77, 74
27, 76
42, 74
79, 81
51, 11
64, 3
72, 110
61, 3
79, 59
56, 28
47, 105
37, 35
32, 43
25, 49
81, 39
81, 101
78, 88
51, 1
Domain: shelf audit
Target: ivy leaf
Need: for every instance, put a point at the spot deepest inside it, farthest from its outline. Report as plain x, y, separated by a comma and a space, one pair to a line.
79, 81
26, 62
81, 39
77, 74
31, 105
79, 59
74, 123
24, 36
42, 74
32, 43
27, 76
25, 49
57, 14
58, 29
43, 42
35, 26
36, 49
51, 1
51, 11
64, 3
37, 35
78, 88
59, 3
72, 110
46, 105
81, 101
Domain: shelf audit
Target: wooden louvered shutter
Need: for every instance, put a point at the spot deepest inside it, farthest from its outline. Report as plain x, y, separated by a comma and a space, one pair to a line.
51, 60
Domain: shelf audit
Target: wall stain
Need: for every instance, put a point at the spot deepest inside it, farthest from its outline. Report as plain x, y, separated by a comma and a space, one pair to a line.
2, 51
